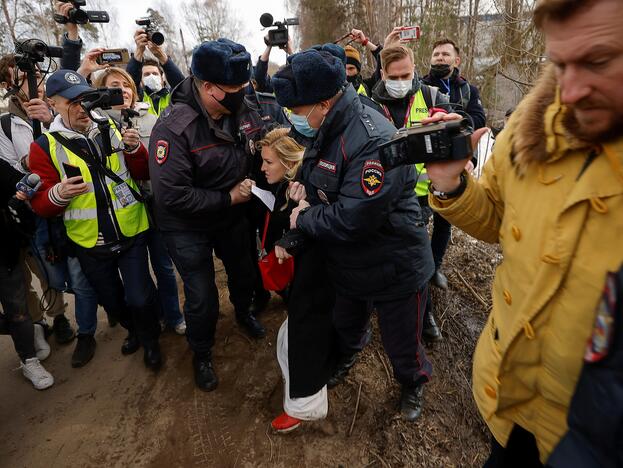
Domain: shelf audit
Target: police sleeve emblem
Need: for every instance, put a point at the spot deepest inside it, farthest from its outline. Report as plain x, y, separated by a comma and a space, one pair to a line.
162, 151
372, 177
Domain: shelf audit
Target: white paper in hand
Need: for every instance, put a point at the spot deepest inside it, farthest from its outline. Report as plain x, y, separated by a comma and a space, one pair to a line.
267, 197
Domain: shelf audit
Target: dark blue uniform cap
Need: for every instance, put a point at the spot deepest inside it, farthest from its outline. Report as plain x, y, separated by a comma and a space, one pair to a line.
333, 49
309, 77
221, 62
66, 83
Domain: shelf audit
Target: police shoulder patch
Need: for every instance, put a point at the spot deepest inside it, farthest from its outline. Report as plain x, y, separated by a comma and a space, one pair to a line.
372, 177
162, 151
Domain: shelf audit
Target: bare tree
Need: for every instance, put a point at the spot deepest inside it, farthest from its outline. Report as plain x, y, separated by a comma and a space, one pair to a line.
211, 19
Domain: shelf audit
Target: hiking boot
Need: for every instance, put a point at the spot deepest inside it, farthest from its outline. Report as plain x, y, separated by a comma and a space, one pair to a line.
411, 402
42, 348
62, 330
205, 377
285, 423
343, 368
84, 351
36, 373
430, 331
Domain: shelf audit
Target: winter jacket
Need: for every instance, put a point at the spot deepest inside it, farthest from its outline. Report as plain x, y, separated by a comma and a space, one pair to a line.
463, 93
194, 162
368, 221
555, 205
11, 240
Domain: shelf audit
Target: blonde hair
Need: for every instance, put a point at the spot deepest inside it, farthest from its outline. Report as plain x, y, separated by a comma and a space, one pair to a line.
393, 54
289, 152
102, 77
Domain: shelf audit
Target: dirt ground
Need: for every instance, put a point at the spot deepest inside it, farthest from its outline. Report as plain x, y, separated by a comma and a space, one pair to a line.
116, 413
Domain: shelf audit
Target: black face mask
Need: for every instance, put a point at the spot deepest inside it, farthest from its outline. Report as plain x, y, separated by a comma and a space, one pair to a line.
352, 79
440, 70
232, 101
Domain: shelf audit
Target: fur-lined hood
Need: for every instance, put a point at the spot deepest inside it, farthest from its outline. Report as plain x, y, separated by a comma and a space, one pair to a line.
543, 129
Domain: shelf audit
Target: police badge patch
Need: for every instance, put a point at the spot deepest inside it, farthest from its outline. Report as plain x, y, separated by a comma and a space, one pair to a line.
372, 177
162, 151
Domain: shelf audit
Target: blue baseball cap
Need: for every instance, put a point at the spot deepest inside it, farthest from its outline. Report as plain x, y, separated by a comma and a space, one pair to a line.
68, 84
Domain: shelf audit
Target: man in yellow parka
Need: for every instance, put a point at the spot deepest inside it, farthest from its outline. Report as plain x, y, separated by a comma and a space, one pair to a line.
552, 196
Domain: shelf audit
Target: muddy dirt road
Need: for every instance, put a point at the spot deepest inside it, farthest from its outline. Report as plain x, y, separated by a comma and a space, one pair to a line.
115, 413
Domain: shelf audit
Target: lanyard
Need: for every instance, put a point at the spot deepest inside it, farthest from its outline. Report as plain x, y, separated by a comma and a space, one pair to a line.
446, 84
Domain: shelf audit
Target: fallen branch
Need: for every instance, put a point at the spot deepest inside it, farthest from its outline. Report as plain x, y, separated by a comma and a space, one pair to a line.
389, 377
352, 424
474, 293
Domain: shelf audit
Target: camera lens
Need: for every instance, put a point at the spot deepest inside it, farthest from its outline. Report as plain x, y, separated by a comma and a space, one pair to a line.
157, 38
78, 16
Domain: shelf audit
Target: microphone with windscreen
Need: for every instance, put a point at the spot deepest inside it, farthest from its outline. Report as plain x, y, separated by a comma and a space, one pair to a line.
29, 184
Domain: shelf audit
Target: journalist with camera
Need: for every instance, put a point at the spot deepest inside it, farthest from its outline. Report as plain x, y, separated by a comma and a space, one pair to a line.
87, 173
154, 79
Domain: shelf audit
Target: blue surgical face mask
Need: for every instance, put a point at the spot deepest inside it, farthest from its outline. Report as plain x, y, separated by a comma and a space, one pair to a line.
301, 124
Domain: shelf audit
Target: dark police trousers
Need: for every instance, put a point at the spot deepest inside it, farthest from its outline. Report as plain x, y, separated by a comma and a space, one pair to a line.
192, 254
133, 302
400, 323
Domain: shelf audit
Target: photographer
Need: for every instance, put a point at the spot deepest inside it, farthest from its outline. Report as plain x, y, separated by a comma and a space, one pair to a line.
72, 43
105, 221
260, 71
16, 135
143, 121
15, 319
149, 75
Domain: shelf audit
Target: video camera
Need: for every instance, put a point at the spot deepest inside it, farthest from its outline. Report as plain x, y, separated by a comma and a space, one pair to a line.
102, 98
442, 141
154, 36
279, 36
78, 16
31, 51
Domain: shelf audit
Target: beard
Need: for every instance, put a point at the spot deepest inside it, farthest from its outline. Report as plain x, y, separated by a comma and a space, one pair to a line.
606, 127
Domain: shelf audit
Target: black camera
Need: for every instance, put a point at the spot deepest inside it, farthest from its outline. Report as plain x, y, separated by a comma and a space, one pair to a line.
154, 36
277, 37
442, 141
102, 98
31, 51
79, 16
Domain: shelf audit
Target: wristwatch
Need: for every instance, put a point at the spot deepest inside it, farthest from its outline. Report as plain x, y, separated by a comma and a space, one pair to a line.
454, 193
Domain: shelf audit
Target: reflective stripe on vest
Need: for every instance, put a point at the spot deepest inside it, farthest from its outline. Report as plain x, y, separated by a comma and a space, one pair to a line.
417, 111
163, 103
362, 90
80, 216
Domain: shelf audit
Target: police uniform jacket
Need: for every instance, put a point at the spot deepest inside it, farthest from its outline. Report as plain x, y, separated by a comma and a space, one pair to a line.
368, 221
194, 162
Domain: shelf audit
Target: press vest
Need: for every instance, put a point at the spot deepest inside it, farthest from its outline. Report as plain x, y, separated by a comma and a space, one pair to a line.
163, 103
80, 216
417, 111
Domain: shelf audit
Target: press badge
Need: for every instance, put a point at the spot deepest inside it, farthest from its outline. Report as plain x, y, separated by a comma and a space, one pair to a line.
123, 194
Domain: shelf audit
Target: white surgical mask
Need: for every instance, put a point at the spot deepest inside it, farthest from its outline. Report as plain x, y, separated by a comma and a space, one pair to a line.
398, 88
153, 82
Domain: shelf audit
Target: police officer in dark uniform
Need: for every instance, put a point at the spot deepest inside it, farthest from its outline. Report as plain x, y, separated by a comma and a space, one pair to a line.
200, 151
368, 221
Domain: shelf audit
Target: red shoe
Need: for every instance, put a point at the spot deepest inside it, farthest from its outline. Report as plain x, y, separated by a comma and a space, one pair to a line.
284, 423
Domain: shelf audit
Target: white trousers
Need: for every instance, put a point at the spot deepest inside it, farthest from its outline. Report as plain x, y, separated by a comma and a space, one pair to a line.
308, 408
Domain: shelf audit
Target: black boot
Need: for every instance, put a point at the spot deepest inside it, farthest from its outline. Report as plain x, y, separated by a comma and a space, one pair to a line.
343, 368
62, 330
411, 402
260, 301
205, 377
152, 356
439, 280
84, 351
430, 331
251, 326
130, 344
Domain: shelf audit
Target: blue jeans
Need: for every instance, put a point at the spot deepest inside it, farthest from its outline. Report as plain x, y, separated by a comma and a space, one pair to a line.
67, 276
169, 301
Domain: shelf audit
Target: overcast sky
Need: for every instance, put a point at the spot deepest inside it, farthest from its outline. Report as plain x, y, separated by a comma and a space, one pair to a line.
249, 13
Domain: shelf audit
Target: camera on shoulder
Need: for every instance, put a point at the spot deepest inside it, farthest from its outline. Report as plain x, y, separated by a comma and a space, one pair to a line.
442, 141
79, 16
277, 37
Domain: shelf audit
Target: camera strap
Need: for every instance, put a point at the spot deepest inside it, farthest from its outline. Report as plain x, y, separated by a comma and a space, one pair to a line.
95, 162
